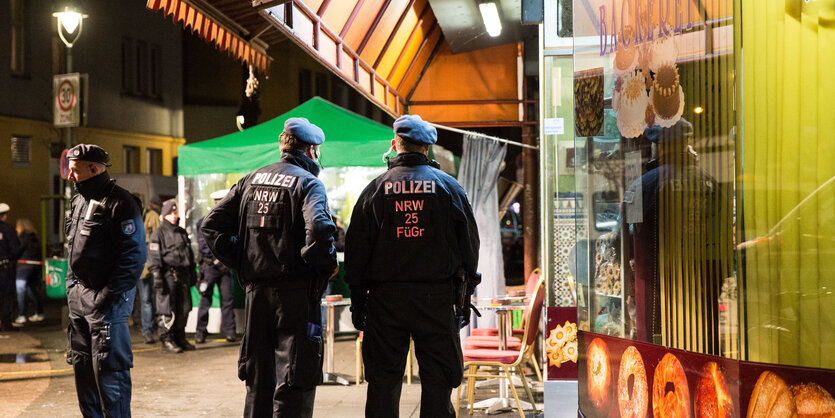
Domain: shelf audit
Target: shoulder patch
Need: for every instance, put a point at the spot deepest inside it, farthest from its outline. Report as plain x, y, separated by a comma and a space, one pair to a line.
128, 227
154, 246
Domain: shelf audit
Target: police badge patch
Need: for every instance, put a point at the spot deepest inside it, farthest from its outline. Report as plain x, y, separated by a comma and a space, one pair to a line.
128, 227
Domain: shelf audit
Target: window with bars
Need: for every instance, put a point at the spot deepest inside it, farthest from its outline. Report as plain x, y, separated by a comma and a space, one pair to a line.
21, 151
154, 161
130, 155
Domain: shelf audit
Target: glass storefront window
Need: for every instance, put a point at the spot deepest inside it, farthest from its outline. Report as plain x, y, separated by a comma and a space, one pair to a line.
654, 118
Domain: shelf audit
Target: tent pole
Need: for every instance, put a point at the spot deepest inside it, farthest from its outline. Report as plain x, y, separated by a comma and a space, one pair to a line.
461, 131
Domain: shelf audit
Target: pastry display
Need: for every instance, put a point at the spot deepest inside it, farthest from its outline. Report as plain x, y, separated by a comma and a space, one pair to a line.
607, 274
666, 92
812, 400
664, 52
599, 374
588, 102
561, 344
626, 59
771, 398
632, 105
712, 397
632, 401
675, 402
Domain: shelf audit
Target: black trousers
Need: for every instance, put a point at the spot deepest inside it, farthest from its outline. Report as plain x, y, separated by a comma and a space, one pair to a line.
100, 353
227, 307
279, 362
424, 312
8, 294
174, 299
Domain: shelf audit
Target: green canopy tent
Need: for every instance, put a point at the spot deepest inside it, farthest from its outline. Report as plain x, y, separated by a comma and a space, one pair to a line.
351, 140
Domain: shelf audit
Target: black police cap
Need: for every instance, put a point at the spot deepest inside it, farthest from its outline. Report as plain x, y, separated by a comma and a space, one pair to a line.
89, 152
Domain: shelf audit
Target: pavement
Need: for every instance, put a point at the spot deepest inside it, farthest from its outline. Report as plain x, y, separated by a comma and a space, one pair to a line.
36, 381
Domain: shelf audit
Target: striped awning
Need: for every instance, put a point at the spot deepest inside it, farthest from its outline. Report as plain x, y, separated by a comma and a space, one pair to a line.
224, 38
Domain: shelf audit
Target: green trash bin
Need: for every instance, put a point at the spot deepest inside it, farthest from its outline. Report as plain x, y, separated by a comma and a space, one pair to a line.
56, 278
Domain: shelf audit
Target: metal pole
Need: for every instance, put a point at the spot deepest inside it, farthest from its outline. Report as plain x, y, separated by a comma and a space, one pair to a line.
67, 145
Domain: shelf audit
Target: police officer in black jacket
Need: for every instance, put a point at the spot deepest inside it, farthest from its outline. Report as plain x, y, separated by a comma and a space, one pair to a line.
171, 263
106, 243
10, 251
411, 230
274, 228
212, 273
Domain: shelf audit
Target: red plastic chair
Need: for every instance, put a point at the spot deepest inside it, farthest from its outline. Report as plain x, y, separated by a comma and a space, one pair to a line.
505, 362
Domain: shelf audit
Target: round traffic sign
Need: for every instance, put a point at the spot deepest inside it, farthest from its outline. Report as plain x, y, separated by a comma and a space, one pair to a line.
66, 96
65, 164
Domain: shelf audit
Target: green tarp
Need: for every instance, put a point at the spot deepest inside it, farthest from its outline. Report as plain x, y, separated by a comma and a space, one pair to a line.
351, 140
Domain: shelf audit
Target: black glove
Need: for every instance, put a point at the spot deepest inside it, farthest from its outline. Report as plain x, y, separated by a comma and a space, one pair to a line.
159, 284
358, 317
104, 300
359, 295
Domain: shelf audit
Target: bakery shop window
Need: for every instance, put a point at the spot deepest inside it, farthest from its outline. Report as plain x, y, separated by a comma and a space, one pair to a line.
654, 112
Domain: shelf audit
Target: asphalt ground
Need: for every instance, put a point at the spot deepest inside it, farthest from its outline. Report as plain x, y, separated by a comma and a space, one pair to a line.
36, 381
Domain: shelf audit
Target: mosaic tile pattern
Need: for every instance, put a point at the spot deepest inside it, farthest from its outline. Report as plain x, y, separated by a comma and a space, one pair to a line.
565, 236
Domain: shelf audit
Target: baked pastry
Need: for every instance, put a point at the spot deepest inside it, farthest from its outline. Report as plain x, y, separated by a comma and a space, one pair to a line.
626, 58
712, 397
588, 102
771, 398
665, 92
599, 373
633, 401
632, 104
813, 401
675, 403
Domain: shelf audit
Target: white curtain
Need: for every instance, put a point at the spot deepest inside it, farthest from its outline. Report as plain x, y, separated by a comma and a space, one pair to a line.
481, 163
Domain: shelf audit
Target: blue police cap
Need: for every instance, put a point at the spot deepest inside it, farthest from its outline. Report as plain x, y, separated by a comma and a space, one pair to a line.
414, 129
304, 131
89, 152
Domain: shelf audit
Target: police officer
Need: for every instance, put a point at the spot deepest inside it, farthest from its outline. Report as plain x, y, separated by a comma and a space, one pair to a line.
275, 230
171, 262
411, 231
106, 243
212, 273
10, 251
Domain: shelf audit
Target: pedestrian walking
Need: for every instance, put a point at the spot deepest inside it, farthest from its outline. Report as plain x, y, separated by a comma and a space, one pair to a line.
213, 272
28, 279
106, 243
9, 253
151, 220
171, 262
411, 248
274, 228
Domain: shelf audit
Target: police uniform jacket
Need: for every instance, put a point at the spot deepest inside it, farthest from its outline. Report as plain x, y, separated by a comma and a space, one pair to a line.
170, 249
274, 224
9, 245
106, 248
411, 224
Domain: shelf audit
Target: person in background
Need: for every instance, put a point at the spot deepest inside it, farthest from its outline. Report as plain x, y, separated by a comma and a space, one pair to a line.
213, 272
9, 252
339, 235
146, 283
171, 262
28, 279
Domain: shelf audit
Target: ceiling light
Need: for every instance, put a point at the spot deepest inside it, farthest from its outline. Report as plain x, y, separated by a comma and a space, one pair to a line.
490, 15
698, 110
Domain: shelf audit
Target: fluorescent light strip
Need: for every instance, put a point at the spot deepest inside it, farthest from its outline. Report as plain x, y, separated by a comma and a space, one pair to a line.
490, 15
